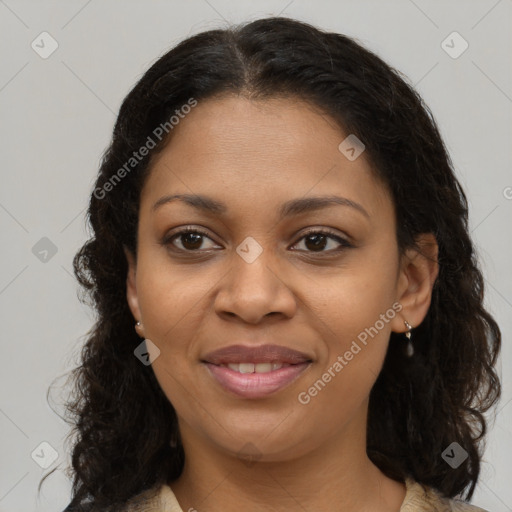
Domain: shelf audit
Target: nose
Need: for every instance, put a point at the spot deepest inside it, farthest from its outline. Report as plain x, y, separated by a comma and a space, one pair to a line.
252, 291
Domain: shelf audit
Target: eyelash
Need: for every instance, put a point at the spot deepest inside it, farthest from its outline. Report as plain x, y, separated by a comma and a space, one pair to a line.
167, 241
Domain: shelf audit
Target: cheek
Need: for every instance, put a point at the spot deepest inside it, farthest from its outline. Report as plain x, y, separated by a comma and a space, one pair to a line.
169, 297
352, 313
355, 343
172, 307
352, 298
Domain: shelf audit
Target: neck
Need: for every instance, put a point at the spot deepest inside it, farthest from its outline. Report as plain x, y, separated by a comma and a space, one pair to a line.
336, 475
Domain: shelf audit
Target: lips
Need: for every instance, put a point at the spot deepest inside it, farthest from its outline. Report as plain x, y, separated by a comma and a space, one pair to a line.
236, 354
255, 372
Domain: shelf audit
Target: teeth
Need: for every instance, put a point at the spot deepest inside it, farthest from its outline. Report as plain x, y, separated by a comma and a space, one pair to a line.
262, 367
255, 367
246, 367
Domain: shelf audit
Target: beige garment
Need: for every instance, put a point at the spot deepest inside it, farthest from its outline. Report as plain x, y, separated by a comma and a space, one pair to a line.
418, 498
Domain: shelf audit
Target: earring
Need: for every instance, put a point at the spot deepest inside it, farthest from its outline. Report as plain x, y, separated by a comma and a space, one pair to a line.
138, 329
409, 349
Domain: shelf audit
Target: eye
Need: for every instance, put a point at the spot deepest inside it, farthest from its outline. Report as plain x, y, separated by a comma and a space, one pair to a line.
191, 239
317, 240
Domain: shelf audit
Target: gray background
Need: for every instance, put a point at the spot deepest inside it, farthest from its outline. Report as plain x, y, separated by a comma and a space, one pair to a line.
57, 117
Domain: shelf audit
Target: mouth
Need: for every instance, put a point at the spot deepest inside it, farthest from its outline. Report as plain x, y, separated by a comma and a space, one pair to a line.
255, 372
255, 367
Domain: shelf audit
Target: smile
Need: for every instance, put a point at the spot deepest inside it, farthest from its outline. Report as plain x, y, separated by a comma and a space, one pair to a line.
255, 367
249, 380
249, 371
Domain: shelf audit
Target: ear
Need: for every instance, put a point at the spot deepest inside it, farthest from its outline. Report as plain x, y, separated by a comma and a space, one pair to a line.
419, 268
131, 287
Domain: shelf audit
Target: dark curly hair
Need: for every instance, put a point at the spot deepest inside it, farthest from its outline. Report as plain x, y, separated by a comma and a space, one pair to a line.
126, 430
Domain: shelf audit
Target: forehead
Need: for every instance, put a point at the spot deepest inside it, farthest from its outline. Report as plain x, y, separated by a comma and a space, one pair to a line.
262, 151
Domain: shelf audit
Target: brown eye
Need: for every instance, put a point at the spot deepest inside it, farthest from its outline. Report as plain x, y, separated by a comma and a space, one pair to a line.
191, 240
317, 241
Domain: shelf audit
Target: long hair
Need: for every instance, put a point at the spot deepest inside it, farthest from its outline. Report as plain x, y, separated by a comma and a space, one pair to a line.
125, 430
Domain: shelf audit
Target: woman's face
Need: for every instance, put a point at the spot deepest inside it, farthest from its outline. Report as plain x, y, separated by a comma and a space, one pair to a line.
262, 274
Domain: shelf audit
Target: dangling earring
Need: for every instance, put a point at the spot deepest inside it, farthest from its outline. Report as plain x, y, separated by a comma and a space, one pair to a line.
409, 349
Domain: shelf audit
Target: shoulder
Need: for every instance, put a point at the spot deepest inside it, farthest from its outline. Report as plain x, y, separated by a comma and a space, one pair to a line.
421, 498
154, 500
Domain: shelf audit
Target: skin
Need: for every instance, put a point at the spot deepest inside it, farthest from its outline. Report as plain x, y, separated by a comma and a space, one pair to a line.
254, 156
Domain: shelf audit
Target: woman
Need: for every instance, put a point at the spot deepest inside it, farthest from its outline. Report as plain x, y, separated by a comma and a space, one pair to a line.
278, 218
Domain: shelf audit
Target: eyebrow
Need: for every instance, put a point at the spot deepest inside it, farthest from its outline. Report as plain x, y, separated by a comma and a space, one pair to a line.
288, 209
